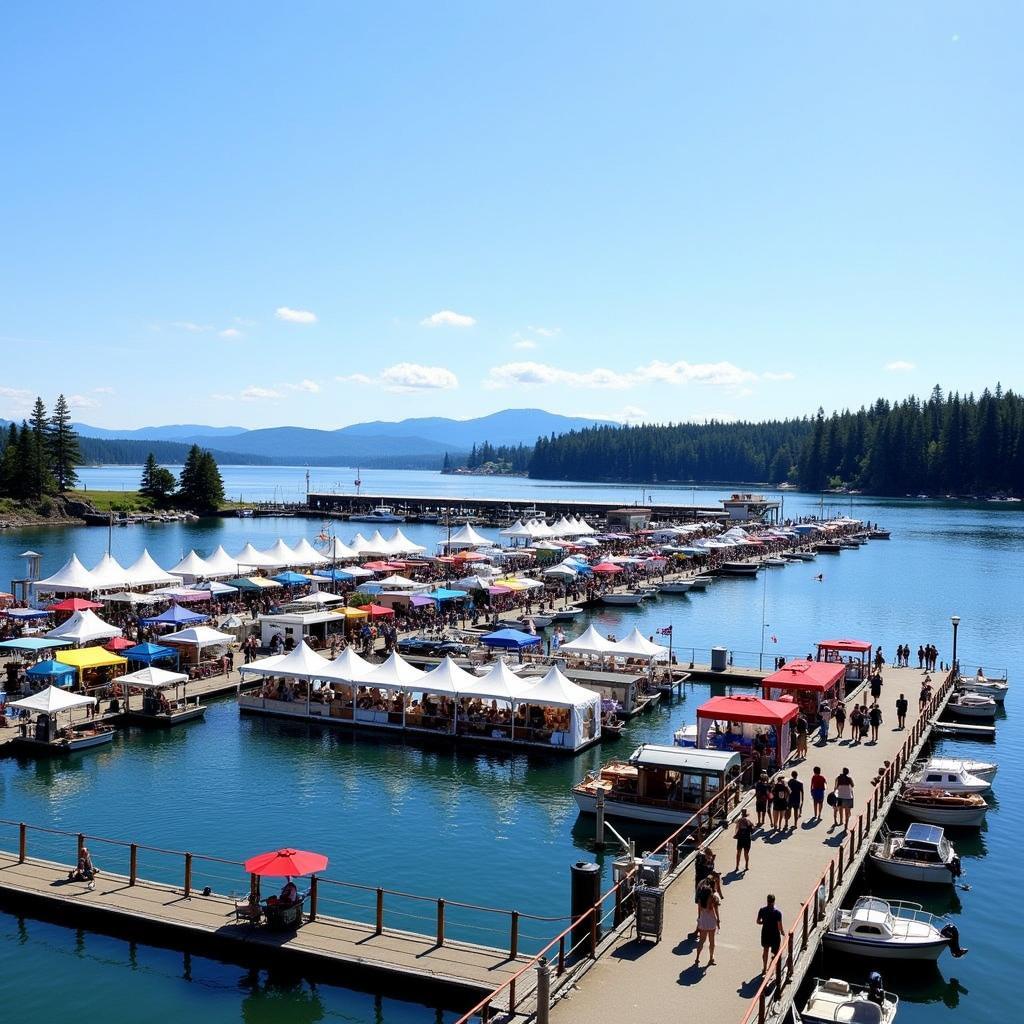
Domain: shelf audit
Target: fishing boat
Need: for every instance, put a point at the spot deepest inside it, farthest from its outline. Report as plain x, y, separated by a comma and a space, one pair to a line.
739, 568
629, 598
165, 701
675, 587
886, 930
994, 688
539, 621
972, 705
952, 780
380, 514
979, 769
939, 807
658, 784
921, 854
836, 1000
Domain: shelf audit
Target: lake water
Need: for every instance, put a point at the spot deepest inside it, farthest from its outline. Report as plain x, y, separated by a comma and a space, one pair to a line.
489, 828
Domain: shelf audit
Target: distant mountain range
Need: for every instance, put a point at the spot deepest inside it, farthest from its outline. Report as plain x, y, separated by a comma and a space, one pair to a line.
419, 443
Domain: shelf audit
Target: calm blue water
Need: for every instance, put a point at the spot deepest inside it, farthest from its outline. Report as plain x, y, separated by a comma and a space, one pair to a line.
493, 828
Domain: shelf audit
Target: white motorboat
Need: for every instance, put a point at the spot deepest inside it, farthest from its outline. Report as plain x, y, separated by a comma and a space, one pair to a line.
836, 1001
700, 582
800, 556
84, 737
979, 769
539, 621
994, 688
921, 854
972, 705
675, 587
886, 930
381, 514
952, 780
937, 807
739, 568
773, 561
566, 615
627, 598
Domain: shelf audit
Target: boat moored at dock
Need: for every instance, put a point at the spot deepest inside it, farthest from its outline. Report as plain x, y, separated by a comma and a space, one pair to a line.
887, 930
971, 705
739, 568
836, 1001
940, 807
42, 731
921, 854
164, 702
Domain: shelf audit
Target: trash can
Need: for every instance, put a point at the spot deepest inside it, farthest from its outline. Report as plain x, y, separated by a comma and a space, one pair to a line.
586, 891
650, 911
719, 659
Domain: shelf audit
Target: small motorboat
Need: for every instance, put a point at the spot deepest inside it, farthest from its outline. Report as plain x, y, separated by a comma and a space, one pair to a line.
836, 1000
739, 568
971, 705
939, 807
921, 854
952, 780
994, 688
887, 930
979, 769
539, 621
829, 548
566, 615
675, 587
700, 582
879, 534
626, 598
773, 561
800, 556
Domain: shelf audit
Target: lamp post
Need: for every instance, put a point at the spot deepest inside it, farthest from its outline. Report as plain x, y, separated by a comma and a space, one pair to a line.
955, 619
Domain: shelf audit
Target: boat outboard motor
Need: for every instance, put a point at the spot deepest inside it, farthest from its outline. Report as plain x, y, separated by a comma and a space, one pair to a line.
876, 989
954, 867
952, 933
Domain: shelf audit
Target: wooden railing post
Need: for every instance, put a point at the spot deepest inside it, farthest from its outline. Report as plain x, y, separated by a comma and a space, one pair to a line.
188, 876
789, 959
440, 922
593, 931
840, 872
513, 944
831, 878
133, 864
81, 847
561, 956
380, 911
312, 898
22, 842
778, 974
803, 941
761, 1007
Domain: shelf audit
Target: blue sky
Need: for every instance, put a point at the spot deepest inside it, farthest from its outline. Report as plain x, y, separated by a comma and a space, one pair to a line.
318, 213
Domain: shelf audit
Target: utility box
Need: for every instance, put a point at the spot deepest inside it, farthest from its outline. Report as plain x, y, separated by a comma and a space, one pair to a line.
650, 911
719, 659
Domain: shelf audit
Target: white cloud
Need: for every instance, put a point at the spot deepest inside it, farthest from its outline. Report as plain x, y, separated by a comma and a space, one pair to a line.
15, 401
230, 333
546, 332
295, 316
191, 327
309, 386
448, 318
414, 377
899, 366
783, 375
627, 414
82, 402
532, 374
721, 374
354, 378
524, 343
254, 394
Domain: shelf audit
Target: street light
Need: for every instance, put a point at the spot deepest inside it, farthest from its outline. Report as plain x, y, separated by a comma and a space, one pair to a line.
955, 619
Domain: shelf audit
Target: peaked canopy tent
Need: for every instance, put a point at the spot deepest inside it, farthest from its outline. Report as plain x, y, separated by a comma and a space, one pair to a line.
53, 673
403, 546
809, 682
510, 639
198, 639
748, 713
144, 572
109, 574
221, 564
466, 537
192, 567
280, 553
90, 658
52, 701
589, 642
498, 683
147, 653
584, 705
84, 627
307, 555
71, 578
250, 558
132, 597
636, 645
338, 551
175, 615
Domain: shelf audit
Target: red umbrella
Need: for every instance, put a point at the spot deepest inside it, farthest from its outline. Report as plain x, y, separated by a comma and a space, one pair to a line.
281, 863
74, 604
607, 567
118, 643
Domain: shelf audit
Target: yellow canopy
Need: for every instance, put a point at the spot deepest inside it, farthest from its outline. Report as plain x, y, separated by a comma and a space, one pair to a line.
89, 657
511, 583
351, 613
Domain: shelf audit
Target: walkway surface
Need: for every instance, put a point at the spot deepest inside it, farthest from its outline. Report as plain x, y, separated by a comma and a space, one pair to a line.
329, 939
646, 983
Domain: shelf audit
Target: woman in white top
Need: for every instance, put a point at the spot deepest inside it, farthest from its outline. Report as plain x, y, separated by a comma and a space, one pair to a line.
844, 797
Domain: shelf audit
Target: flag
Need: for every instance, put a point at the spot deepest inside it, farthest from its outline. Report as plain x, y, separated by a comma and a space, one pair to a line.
665, 631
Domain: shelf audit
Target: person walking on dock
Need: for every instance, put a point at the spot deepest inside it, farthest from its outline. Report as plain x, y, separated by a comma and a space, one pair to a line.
818, 785
796, 798
762, 793
840, 716
825, 714
708, 920
855, 725
901, 712
742, 833
780, 804
844, 797
876, 685
875, 718
769, 917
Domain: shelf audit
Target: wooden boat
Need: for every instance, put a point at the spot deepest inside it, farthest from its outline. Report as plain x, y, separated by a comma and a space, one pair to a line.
971, 705
939, 807
886, 930
921, 854
739, 568
675, 587
68, 741
952, 780
835, 1000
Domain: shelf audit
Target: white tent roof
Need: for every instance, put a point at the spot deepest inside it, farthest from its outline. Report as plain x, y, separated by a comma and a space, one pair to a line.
51, 700
281, 553
356, 570
394, 674
377, 545
306, 554
231, 622
517, 529
220, 563
476, 582
563, 570
401, 583
499, 683
555, 690
192, 565
589, 642
109, 574
401, 545
83, 627
153, 678
250, 558
300, 663
467, 537
144, 571
198, 636
539, 528
213, 587
636, 645
447, 678
337, 550
131, 597
318, 597
360, 546
350, 667
72, 577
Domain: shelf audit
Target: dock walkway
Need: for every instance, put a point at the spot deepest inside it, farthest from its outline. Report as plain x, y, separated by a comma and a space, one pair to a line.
647, 983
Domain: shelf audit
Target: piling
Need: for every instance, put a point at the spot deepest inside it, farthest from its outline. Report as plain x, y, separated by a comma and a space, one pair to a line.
586, 891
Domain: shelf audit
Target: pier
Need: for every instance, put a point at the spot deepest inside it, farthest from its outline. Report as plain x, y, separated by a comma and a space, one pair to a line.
621, 977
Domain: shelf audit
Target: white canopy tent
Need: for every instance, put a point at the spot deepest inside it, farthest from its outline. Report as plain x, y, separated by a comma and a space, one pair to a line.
554, 690
215, 588
109, 574
401, 545
280, 553
377, 545
360, 546
220, 563
192, 567
394, 674
132, 598
306, 554
447, 678
151, 678
338, 551
250, 558
401, 583
144, 572
498, 683
71, 578
589, 642
318, 597
52, 700
467, 537
302, 662
198, 637
84, 627
636, 645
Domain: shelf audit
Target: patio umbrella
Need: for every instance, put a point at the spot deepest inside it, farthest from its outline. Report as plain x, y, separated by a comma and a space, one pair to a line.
286, 862
74, 604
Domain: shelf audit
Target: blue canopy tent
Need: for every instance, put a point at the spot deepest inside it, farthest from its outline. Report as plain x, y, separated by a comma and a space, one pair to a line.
337, 575
175, 616
32, 643
147, 653
291, 579
25, 614
443, 594
510, 639
53, 673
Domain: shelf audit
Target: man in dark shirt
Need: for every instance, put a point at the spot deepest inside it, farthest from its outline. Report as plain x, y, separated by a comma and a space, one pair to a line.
901, 712
769, 917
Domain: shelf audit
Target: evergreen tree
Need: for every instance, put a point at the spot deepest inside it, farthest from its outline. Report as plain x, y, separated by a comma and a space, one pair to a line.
157, 483
40, 477
63, 446
11, 468
200, 487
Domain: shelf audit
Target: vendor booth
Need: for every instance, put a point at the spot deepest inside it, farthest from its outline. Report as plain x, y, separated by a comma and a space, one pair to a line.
807, 682
855, 655
96, 666
733, 723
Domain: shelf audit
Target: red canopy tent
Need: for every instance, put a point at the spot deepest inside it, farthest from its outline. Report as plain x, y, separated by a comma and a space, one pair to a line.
747, 710
118, 643
846, 652
807, 681
74, 604
376, 611
608, 567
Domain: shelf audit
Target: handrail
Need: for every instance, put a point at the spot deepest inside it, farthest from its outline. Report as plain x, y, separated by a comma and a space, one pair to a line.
834, 873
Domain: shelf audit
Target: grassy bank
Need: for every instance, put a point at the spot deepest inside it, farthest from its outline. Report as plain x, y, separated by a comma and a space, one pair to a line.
113, 501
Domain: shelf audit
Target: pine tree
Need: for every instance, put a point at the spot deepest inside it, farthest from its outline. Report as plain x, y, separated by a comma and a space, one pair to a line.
157, 483
201, 488
63, 448
39, 475
11, 469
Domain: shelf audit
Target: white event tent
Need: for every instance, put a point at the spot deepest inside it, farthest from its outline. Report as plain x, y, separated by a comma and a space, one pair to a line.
636, 645
250, 558
83, 627
281, 554
584, 705
467, 537
109, 574
51, 701
401, 545
71, 578
144, 572
150, 678
220, 563
589, 642
338, 551
306, 554
192, 567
